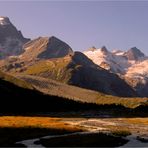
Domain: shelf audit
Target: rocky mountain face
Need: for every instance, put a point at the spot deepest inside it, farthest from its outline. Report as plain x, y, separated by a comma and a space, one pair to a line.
131, 65
42, 48
45, 48
11, 40
134, 54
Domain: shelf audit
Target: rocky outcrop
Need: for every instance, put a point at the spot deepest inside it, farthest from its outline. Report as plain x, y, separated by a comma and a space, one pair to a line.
45, 48
134, 54
11, 40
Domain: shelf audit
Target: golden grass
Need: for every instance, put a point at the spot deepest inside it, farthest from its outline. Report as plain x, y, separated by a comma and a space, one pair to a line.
15, 80
143, 121
83, 95
127, 102
55, 68
35, 122
133, 121
18, 128
39, 68
127, 125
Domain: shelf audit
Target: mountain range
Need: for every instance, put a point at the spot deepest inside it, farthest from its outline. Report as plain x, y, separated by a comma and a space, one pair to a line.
48, 58
130, 65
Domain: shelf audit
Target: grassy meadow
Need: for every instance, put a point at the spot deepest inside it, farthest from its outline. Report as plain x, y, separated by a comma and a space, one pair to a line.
17, 128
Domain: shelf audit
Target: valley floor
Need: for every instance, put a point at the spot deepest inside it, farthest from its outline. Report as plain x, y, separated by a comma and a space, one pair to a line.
73, 131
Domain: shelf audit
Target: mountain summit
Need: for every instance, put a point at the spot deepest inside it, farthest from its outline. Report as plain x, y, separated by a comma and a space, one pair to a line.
116, 61
4, 20
104, 50
134, 54
11, 40
45, 48
93, 48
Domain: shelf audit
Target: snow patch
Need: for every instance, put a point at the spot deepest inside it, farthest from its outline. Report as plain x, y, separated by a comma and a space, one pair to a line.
117, 62
4, 21
114, 61
1, 18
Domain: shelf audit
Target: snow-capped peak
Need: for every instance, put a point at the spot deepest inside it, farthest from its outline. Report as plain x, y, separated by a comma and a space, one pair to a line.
104, 49
107, 60
116, 61
138, 70
4, 20
92, 49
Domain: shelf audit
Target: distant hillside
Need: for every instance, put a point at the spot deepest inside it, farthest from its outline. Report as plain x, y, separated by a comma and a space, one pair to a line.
41, 97
55, 88
15, 81
27, 99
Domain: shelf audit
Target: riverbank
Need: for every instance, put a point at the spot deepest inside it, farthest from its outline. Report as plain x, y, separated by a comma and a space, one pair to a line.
51, 131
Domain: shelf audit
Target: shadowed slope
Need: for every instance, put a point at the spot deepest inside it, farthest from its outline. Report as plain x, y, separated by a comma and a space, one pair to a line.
78, 70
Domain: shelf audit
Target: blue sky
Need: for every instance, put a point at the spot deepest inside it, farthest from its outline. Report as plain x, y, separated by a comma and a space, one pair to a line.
82, 24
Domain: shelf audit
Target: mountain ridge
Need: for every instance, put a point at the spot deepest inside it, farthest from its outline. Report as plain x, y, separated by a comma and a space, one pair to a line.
45, 48
78, 70
131, 65
11, 40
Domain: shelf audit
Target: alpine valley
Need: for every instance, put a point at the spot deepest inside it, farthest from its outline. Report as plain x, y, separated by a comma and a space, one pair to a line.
47, 88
